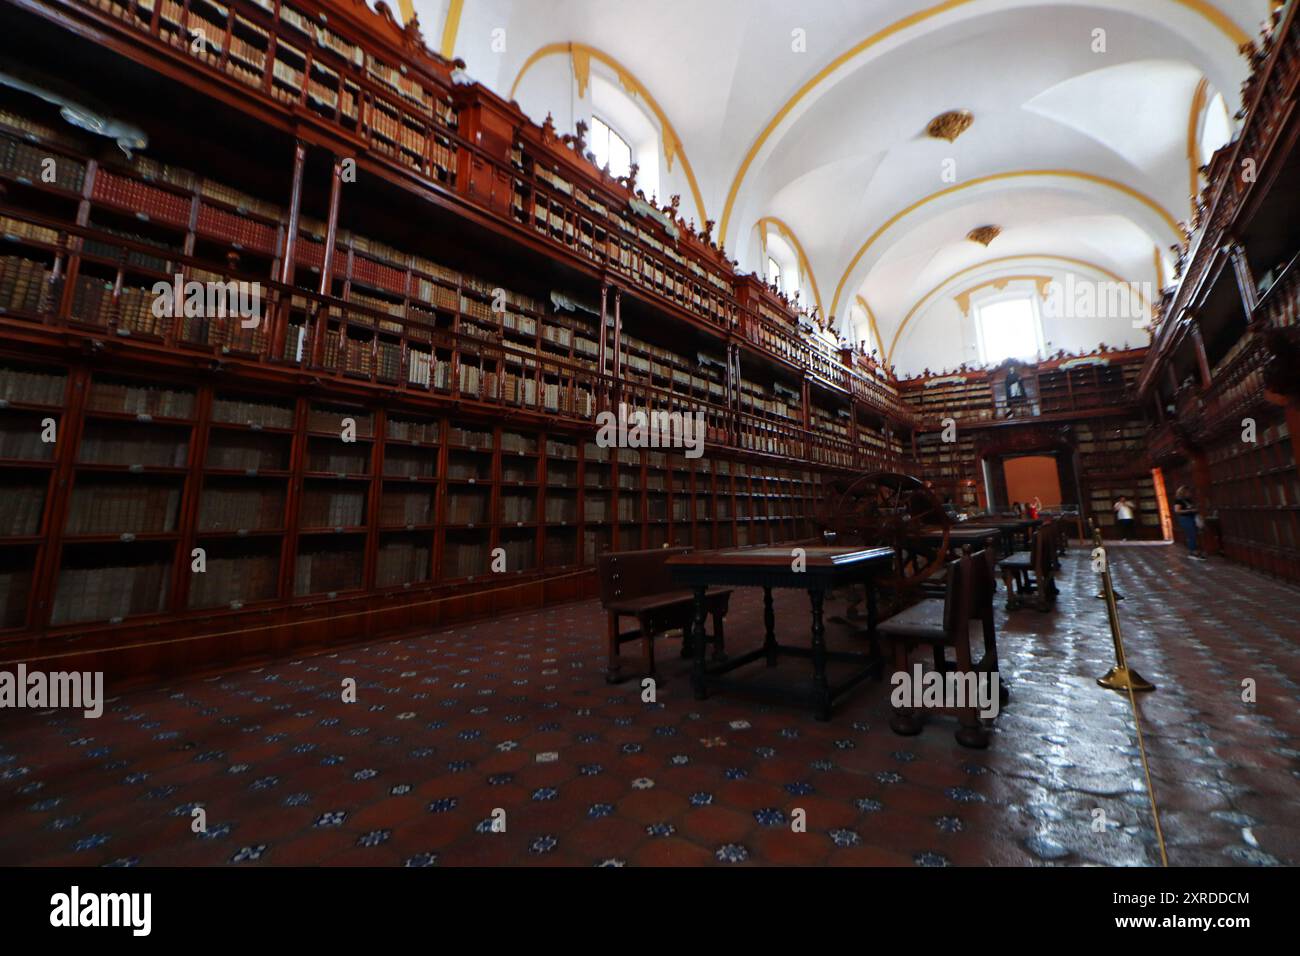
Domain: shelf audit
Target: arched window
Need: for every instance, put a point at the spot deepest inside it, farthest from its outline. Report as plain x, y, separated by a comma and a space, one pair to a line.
623, 133
1216, 127
782, 263
609, 148
1008, 326
773, 272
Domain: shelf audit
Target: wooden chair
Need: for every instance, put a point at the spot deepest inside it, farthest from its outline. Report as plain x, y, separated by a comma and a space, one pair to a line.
1031, 573
638, 584
968, 596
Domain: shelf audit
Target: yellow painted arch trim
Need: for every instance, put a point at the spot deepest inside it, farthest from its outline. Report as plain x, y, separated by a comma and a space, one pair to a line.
1206, 9
1193, 147
1047, 173
804, 266
450, 27
672, 143
911, 313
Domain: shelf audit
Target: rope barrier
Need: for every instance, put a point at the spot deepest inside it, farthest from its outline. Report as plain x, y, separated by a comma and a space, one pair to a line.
1122, 677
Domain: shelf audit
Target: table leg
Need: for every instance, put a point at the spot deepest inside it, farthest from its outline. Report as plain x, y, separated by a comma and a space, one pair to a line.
873, 619
769, 622
821, 691
697, 639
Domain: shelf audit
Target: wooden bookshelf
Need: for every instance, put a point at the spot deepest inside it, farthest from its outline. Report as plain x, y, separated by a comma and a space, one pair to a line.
405, 408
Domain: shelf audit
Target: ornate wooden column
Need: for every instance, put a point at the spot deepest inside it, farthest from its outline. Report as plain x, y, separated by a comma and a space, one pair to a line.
290, 246
320, 323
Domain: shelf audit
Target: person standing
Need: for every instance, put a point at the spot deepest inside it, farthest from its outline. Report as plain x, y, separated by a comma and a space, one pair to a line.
1125, 516
1189, 520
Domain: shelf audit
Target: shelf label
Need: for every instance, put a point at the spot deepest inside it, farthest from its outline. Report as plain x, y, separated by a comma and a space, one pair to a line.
126, 537
250, 472
135, 469
144, 419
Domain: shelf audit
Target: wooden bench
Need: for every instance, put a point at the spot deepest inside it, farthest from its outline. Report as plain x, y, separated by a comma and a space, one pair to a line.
637, 584
968, 596
1032, 572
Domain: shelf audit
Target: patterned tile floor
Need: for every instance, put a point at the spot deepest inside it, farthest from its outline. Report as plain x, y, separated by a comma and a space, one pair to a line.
514, 714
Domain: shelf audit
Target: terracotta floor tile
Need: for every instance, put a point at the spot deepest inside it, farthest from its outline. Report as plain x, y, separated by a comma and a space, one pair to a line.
515, 714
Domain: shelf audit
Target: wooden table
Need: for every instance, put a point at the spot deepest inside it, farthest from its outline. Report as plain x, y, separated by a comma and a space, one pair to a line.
823, 568
959, 536
1008, 527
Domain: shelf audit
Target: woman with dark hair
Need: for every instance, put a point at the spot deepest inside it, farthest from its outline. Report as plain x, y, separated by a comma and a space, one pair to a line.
1189, 520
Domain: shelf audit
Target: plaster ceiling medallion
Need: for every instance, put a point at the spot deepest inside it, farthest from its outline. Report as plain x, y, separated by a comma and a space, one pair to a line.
984, 234
950, 125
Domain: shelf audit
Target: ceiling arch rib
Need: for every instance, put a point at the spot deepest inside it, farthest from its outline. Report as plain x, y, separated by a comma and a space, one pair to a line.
935, 17
1070, 180
1003, 269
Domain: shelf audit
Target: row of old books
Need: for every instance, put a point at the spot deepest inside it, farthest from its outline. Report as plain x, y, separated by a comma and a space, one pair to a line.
467, 507
139, 197
21, 502
248, 452
400, 462
14, 585
559, 549
423, 432
324, 570
337, 422
116, 507
399, 508
132, 399
26, 162
24, 285
521, 553
241, 508
401, 561
112, 443
333, 507
516, 508
30, 387
22, 438
561, 509
338, 458
238, 579
19, 229
464, 556
110, 593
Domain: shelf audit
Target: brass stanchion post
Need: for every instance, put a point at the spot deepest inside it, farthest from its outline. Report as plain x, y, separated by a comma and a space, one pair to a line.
1119, 677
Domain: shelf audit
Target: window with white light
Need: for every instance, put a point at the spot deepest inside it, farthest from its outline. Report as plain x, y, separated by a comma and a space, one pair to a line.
1009, 327
773, 272
610, 149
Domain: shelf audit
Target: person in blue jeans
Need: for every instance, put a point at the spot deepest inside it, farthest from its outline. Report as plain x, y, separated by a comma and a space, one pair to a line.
1186, 514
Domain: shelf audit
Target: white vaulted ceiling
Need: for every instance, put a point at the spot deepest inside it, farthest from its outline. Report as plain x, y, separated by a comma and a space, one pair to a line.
1076, 154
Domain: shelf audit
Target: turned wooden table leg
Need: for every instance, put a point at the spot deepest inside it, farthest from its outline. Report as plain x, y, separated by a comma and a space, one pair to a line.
769, 624
821, 690
697, 640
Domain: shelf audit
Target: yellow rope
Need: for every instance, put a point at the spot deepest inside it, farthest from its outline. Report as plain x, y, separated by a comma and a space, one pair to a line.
1146, 772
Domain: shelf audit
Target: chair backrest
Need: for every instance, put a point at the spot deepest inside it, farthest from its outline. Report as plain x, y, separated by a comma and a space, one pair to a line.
958, 596
634, 574
1043, 549
983, 582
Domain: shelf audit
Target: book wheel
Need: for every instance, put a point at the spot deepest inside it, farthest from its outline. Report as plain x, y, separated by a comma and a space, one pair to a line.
886, 509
